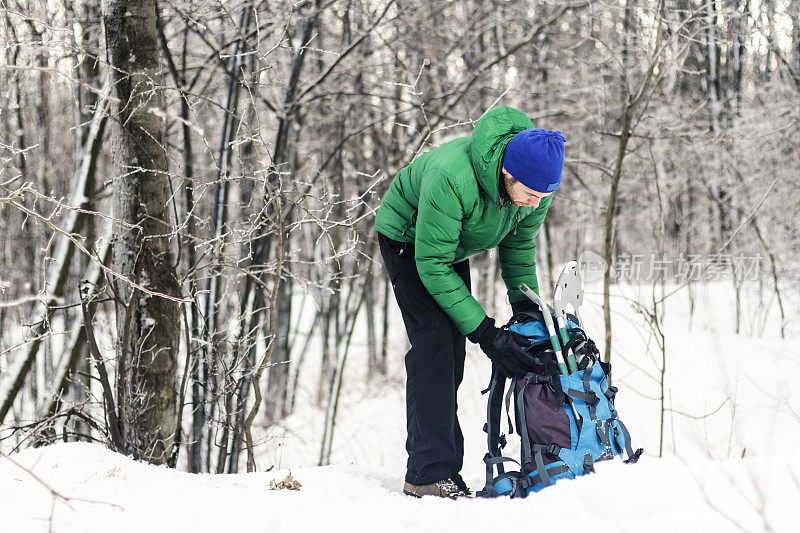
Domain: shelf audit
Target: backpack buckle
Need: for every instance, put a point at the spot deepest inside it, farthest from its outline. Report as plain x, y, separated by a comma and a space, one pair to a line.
538, 379
525, 482
588, 464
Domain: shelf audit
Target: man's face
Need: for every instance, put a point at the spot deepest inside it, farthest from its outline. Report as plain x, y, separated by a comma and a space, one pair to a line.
521, 195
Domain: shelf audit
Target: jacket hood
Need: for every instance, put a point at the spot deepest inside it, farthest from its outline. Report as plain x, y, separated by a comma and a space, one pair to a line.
489, 139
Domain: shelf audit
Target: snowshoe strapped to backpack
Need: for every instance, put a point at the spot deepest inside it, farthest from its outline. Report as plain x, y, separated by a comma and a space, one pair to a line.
555, 445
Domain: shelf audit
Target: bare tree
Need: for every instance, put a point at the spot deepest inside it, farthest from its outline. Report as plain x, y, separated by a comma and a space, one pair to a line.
242, 186
147, 320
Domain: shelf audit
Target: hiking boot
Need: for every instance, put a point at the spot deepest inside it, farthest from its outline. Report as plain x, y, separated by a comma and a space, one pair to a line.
461, 484
445, 488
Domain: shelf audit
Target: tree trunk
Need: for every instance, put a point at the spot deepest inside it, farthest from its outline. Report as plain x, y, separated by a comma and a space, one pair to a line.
58, 272
794, 12
372, 340
624, 136
275, 404
146, 287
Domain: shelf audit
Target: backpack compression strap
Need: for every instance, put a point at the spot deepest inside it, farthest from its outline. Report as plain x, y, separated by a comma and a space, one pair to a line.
608, 429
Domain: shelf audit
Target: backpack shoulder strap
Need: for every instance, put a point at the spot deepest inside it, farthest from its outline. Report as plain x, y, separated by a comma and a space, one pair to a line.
494, 407
495, 441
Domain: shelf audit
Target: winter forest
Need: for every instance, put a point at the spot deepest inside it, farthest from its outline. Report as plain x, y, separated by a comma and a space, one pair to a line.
190, 276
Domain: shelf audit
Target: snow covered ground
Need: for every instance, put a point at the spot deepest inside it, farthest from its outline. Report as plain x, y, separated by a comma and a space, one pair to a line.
730, 438
113, 493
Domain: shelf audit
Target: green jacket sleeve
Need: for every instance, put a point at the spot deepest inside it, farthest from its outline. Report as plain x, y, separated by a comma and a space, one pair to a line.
438, 226
518, 253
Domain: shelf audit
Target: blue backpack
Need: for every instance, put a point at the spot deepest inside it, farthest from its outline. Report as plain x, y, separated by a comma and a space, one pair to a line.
555, 445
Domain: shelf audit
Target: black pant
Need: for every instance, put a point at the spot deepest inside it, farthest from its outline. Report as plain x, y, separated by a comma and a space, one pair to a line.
434, 369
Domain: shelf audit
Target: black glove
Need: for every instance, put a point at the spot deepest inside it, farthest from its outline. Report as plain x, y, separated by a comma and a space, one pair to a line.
504, 348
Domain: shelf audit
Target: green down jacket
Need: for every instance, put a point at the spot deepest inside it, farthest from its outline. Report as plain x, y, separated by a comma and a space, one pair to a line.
447, 203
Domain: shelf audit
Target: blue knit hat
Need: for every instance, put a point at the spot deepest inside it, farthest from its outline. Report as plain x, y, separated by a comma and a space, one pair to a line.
535, 158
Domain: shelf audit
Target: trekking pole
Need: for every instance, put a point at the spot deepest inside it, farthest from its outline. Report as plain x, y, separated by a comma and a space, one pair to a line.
551, 330
561, 313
